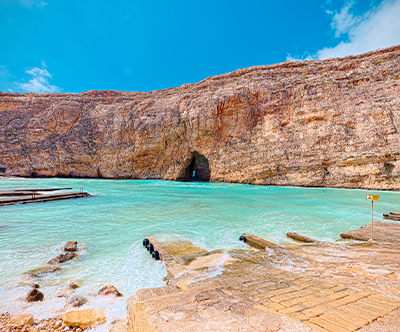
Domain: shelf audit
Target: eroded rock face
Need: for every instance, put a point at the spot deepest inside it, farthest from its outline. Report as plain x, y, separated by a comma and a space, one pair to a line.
327, 123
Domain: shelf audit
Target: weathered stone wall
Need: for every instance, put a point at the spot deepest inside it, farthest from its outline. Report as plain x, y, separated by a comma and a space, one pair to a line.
327, 123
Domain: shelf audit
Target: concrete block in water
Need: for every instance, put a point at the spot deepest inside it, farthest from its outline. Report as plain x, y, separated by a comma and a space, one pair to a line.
301, 238
257, 242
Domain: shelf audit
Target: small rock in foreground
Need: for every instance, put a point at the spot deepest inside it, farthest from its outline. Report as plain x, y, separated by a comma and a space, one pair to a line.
21, 320
84, 318
62, 258
70, 246
76, 301
34, 295
73, 285
109, 290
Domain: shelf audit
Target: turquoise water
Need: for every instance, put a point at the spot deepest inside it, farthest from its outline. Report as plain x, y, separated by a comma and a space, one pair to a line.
111, 225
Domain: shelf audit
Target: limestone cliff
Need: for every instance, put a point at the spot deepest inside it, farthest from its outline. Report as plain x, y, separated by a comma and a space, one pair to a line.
330, 123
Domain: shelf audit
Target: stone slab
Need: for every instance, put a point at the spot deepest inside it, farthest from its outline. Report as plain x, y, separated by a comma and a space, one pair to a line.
382, 232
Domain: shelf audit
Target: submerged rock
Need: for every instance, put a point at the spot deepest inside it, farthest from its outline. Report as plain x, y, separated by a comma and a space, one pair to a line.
70, 246
21, 320
109, 290
73, 285
42, 270
64, 293
63, 258
76, 301
34, 295
84, 318
34, 285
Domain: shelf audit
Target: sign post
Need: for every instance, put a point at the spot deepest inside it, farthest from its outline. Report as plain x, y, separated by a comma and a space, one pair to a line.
373, 198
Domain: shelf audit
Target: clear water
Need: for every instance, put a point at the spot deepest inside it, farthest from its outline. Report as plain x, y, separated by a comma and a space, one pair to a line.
111, 225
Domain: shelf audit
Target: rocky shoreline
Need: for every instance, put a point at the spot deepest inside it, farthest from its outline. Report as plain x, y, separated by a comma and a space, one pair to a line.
316, 286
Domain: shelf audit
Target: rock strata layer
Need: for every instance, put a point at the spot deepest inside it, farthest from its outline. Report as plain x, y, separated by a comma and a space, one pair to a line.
331, 123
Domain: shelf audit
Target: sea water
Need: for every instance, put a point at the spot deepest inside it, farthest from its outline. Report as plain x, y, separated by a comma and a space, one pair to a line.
111, 225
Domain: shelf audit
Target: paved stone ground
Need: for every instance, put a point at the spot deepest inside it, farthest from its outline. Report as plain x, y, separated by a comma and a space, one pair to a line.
324, 306
324, 287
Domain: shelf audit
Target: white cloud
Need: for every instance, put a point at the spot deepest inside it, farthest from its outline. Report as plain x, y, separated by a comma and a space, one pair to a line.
378, 28
39, 81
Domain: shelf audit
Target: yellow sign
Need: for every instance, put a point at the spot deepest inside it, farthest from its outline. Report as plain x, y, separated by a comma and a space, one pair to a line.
373, 197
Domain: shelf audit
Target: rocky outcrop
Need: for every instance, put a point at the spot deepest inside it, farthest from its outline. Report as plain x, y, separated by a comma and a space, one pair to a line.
330, 123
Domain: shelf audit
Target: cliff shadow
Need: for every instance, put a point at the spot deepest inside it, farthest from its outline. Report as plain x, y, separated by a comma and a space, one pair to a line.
198, 169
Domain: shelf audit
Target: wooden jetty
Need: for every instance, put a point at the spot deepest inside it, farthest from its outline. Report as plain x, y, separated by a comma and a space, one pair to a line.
256, 242
26, 192
22, 196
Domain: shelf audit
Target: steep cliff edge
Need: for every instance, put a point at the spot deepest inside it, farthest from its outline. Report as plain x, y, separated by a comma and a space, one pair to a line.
332, 123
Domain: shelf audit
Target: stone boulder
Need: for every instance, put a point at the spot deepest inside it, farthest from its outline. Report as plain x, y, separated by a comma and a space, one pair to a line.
109, 290
63, 258
70, 246
34, 285
34, 295
84, 318
21, 320
76, 301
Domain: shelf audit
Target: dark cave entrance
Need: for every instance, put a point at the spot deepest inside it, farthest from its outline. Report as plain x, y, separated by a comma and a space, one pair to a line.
198, 169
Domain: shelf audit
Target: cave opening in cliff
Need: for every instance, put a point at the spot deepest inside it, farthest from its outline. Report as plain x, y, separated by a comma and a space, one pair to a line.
198, 168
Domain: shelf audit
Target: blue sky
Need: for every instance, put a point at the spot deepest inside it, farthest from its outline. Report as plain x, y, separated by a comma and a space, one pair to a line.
74, 46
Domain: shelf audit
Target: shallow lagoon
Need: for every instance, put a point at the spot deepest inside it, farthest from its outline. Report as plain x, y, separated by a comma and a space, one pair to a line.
112, 224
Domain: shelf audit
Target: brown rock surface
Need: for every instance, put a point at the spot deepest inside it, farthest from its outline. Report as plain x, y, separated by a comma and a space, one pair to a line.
84, 318
42, 271
330, 123
76, 301
34, 295
70, 246
21, 320
63, 258
109, 290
